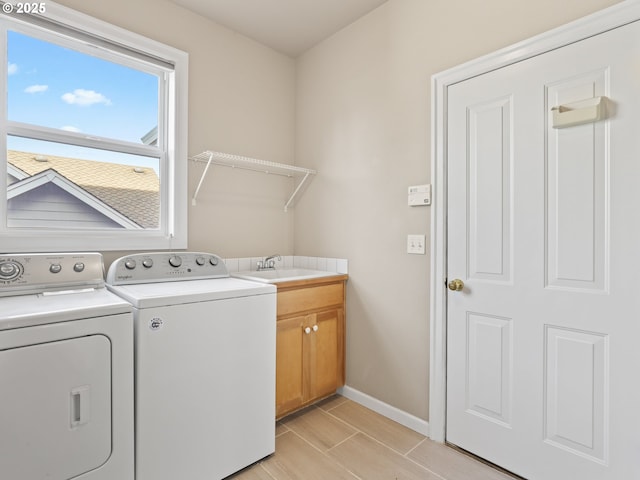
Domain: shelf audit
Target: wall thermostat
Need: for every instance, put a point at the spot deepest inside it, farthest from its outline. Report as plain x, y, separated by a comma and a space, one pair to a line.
420, 195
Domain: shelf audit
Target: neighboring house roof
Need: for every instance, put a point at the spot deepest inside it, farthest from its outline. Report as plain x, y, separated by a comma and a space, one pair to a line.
15, 174
133, 192
33, 182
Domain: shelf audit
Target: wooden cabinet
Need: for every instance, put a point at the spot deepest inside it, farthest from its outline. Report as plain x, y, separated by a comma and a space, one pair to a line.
310, 341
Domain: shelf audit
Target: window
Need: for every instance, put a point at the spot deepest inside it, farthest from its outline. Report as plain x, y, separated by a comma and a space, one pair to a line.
93, 126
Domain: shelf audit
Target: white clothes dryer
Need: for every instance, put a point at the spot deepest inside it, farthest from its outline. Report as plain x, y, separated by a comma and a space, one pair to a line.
204, 362
66, 370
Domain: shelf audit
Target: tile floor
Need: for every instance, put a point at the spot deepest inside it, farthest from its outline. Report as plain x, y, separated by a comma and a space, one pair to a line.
340, 439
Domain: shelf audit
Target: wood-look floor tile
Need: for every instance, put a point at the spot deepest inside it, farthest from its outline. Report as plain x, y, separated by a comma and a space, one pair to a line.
369, 459
453, 465
296, 459
392, 434
331, 402
319, 428
281, 428
255, 472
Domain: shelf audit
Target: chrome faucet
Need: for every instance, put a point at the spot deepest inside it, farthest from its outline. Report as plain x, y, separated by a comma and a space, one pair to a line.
269, 262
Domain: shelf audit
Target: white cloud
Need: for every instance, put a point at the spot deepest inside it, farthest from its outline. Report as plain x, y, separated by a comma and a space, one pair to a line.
36, 89
12, 69
85, 98
69, 128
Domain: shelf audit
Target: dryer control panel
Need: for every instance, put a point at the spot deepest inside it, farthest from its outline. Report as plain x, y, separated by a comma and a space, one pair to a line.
156, 267
22, 274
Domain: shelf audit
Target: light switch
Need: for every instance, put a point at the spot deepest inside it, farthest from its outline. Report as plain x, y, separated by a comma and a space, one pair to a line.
416, 244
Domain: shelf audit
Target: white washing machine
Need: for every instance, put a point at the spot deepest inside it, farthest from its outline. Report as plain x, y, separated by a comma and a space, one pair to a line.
205, 365
66, 371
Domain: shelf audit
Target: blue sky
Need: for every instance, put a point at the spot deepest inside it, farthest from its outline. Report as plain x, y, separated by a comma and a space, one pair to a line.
56, 87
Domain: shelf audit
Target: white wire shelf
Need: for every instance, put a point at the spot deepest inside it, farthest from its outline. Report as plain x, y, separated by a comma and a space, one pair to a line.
252, 164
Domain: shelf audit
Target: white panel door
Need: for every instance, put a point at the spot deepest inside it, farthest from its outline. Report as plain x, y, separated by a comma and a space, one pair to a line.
544, 231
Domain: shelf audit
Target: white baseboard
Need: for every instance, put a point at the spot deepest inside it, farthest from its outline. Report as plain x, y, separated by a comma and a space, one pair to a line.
386, 410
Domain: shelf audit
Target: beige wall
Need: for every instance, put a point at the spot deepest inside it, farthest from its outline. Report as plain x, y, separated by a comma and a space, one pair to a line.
241, 101
363, 106
357, 108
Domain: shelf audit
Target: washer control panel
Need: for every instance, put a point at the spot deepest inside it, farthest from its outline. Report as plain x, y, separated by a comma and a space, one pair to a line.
22, 274
156, 267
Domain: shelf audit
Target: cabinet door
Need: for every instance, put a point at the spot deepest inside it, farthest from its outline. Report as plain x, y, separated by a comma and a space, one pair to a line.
326, 344
289, 364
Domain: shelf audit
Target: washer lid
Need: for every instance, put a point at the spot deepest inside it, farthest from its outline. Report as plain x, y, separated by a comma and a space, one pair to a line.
146, 295
28, 310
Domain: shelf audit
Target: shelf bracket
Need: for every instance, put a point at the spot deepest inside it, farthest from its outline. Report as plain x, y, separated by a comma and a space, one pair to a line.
204, 174
297, 189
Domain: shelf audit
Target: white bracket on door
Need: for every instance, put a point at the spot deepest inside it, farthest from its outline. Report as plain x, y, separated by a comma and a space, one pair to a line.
253, 164
579, 113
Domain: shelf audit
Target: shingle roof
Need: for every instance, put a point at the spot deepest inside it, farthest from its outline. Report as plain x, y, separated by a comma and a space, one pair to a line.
132, 191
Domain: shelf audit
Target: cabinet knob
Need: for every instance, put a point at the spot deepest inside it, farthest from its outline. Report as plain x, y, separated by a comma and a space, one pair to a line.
307, 330
315, 328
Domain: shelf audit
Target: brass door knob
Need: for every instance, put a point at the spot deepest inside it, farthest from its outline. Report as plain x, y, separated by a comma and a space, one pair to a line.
456, 285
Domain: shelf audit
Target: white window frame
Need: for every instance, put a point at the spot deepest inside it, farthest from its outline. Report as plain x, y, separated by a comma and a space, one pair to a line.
129, 49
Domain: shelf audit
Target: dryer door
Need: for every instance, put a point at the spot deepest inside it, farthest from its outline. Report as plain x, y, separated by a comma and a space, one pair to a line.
55, 408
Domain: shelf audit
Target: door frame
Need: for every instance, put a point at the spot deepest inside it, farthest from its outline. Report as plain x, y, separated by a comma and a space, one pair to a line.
612, 17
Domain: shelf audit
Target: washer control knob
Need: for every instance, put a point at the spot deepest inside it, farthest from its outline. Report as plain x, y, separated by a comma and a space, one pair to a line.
130, 264
175, 261
55, 268
78, 267
213, 261
200, 260
147, 263
9, 270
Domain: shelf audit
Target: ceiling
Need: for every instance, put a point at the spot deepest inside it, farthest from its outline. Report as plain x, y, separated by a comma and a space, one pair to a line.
288, 26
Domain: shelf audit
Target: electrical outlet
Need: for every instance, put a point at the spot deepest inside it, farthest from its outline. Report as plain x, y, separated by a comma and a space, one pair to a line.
415, 244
